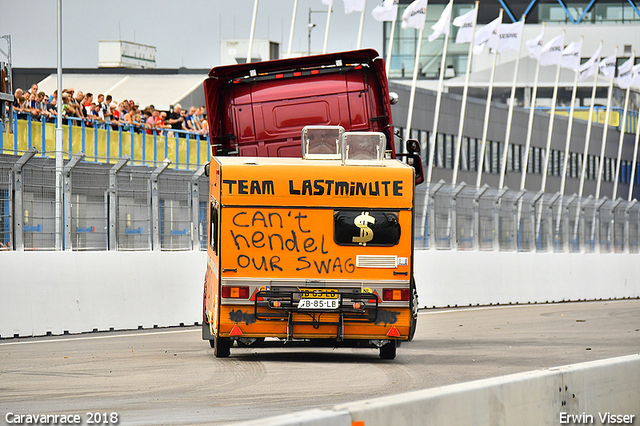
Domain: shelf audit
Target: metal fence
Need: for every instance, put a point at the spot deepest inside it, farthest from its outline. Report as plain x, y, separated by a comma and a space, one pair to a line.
467, 218
105, 207
5, 206
125, 207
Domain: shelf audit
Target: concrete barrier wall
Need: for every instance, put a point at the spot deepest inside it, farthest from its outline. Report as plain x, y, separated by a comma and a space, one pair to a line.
460, 278
58, 292
543, 397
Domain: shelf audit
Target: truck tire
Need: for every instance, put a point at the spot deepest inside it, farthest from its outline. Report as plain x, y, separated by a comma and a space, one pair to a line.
388, 351
222, 347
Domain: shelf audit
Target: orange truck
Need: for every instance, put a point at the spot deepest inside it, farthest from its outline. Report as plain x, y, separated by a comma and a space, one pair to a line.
315, 250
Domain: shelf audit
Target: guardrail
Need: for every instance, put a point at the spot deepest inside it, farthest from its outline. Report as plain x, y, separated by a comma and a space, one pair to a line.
460, 217
597, 392
106, 142
105, 207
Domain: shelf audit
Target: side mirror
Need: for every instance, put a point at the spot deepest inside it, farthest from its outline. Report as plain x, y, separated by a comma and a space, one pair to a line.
415, 161
206, 169
413, 146
393, 98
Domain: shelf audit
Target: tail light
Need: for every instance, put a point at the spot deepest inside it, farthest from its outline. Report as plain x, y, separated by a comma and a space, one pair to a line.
235, 292
395, 294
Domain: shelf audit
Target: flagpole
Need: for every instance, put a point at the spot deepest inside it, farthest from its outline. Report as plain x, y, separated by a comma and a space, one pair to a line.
532, 108
554, 98
390, 47
512, 99
326, 30
622, 132
588, 134
487, 111
587, 142
253, 30
567, 144
436, 113
463, 106
412, 95
59, 136
601, 164
633, 162
364, 9
293, 24
604, 134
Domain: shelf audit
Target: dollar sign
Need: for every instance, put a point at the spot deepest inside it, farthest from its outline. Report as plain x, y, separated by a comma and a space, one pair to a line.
366, 234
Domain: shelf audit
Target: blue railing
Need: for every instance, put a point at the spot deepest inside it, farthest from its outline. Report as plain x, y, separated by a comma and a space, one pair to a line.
106, 142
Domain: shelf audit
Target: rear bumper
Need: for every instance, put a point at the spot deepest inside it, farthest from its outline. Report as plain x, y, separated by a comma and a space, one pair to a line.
251, 321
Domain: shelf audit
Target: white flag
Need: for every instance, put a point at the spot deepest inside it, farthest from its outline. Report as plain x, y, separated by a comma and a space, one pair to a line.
327, 2
442, 26
509, 36
487, 35
414, 15
636, 75
466, 23
608, 66
625, 74
571, 56
387, 11
551, 53
353, 6
535, 46
590, 67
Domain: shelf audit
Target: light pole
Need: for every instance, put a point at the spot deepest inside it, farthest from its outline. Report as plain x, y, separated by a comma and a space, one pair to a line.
312, 26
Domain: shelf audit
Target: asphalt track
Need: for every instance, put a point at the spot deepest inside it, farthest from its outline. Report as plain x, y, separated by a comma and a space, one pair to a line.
171, 377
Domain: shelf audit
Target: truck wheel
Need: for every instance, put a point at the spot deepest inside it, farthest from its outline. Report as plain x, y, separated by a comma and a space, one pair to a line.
222, 347
388, 351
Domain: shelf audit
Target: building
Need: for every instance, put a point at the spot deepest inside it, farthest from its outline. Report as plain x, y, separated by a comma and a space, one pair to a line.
593, 21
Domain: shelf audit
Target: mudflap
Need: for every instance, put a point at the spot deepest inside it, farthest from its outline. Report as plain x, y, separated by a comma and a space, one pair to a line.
414, 310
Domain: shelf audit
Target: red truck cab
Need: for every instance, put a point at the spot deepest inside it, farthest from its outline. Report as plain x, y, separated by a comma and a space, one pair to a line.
259, 109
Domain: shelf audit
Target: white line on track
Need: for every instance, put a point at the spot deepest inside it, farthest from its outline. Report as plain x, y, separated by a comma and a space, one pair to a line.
27, 342
467, 309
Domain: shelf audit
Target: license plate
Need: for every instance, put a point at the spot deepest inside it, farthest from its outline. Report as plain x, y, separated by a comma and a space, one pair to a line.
318, 293
318, 304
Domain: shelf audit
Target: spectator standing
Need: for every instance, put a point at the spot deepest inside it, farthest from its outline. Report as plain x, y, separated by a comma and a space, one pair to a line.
67, 108
115, 115
195, 124
152, 121
52, 109
186, 121
104, 106
160, 123
18, 103
175, 119
88, 100
39, 105
78, 105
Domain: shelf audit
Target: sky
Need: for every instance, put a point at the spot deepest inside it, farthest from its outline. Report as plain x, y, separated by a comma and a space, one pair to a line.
186, 33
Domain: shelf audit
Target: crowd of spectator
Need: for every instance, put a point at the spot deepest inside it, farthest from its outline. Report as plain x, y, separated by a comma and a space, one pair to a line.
104, 111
